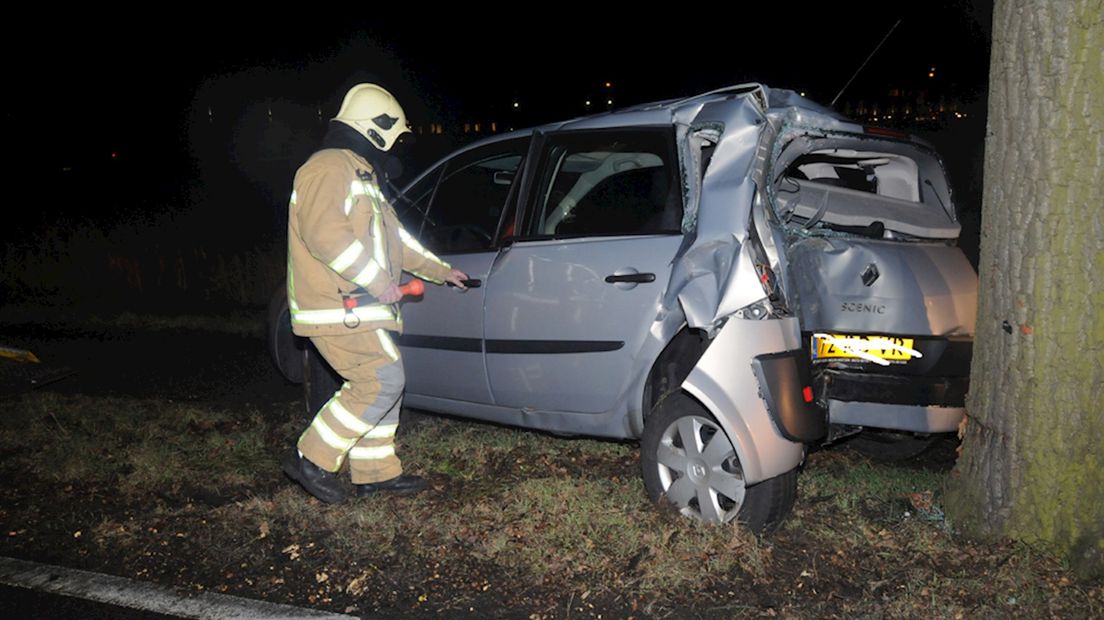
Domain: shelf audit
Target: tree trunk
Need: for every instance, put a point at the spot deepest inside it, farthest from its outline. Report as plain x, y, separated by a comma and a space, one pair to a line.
1032, 462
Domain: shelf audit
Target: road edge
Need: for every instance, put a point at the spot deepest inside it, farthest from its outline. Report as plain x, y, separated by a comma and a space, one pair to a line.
145, 596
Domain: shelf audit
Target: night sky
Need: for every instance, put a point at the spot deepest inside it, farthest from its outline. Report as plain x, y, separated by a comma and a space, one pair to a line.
98, 79
196, 105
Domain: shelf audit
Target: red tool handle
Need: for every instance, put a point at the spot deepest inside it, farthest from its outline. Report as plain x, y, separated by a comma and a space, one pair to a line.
412, 288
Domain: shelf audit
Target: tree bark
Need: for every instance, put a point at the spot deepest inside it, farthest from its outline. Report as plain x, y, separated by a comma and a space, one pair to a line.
1032, 462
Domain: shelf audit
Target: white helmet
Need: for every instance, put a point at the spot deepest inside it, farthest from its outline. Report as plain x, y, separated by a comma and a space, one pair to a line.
374, 113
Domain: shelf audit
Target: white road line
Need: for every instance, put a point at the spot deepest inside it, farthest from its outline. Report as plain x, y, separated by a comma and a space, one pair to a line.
147, 596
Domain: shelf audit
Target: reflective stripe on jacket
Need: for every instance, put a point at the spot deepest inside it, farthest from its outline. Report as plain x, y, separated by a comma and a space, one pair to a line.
343, 236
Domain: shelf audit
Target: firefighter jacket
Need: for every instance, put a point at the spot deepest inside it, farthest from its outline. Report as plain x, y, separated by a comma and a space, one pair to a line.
346, 243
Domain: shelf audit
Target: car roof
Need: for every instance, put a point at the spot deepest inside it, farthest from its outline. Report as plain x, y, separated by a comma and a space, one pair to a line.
773, 101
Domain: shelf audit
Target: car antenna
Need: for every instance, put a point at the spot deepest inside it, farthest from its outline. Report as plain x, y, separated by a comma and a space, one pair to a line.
894, 27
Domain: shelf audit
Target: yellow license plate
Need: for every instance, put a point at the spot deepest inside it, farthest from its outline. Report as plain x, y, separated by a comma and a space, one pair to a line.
877, 349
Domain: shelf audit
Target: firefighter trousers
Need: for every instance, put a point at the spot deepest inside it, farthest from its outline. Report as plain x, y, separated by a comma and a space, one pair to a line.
359, 422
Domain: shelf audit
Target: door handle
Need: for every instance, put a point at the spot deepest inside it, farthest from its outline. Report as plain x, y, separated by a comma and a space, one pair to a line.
470, 283
635, 278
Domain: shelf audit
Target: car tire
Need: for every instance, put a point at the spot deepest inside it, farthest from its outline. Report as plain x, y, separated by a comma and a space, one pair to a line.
891, 446
708, 484
320, 381
284, 347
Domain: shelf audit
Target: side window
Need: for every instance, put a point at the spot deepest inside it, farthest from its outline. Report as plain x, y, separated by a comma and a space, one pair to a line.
413, 204
608, 183
470, 198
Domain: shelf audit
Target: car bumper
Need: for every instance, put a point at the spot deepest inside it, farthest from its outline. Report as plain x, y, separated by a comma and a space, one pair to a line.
914, 418
917, 390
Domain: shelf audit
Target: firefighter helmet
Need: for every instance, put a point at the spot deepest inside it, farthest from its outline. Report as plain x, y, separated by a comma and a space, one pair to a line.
374, 113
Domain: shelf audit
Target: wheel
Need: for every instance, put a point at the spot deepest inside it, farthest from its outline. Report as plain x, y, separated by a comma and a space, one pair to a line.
891, 446
687, 459
319, 380
284, 347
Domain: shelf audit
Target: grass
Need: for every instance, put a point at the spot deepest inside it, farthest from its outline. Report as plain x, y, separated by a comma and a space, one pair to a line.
556, 526
139, 447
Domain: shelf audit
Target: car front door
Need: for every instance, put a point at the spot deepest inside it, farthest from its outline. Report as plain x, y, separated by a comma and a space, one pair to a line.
456, 212
570, 302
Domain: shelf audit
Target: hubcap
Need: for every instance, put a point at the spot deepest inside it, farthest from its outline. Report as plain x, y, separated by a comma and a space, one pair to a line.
699, 470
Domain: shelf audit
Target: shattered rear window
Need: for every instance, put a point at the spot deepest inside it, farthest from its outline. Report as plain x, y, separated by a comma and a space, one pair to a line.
869, 187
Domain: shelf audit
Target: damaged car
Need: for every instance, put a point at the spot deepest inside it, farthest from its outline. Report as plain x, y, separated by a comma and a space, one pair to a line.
728, 279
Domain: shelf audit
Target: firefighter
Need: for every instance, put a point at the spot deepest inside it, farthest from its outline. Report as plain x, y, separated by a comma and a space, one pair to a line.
346, 251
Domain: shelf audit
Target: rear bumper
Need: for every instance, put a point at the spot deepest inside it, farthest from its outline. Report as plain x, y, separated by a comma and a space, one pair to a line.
920, 404
918, 419
938, 391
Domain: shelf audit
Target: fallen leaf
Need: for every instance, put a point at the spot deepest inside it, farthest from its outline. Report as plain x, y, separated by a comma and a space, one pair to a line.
921, 501
292, 550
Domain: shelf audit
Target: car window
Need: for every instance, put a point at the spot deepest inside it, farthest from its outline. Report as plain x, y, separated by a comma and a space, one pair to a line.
469, 200
412, 205
868, 187
608, 183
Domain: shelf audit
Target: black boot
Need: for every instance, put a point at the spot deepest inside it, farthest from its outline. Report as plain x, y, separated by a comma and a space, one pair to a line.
406, 484
318, 482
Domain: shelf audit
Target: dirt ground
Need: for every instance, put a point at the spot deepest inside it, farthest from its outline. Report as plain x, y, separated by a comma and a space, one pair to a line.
197, 539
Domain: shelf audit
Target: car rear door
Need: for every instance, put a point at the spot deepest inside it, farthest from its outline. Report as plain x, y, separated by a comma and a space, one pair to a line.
570, 301
886, 299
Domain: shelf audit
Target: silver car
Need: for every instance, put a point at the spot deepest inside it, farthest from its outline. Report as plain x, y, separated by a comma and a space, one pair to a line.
727, 279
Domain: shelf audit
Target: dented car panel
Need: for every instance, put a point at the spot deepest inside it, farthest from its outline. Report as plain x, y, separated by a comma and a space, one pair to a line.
724, 381
868, 286
714, 276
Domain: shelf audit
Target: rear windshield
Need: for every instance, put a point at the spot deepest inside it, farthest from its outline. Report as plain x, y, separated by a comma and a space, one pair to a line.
852, 185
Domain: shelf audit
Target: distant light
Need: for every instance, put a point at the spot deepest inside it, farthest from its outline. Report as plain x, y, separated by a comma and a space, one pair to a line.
802, 93
609, 101
609, 84
516, 105
587, 103
931, 74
